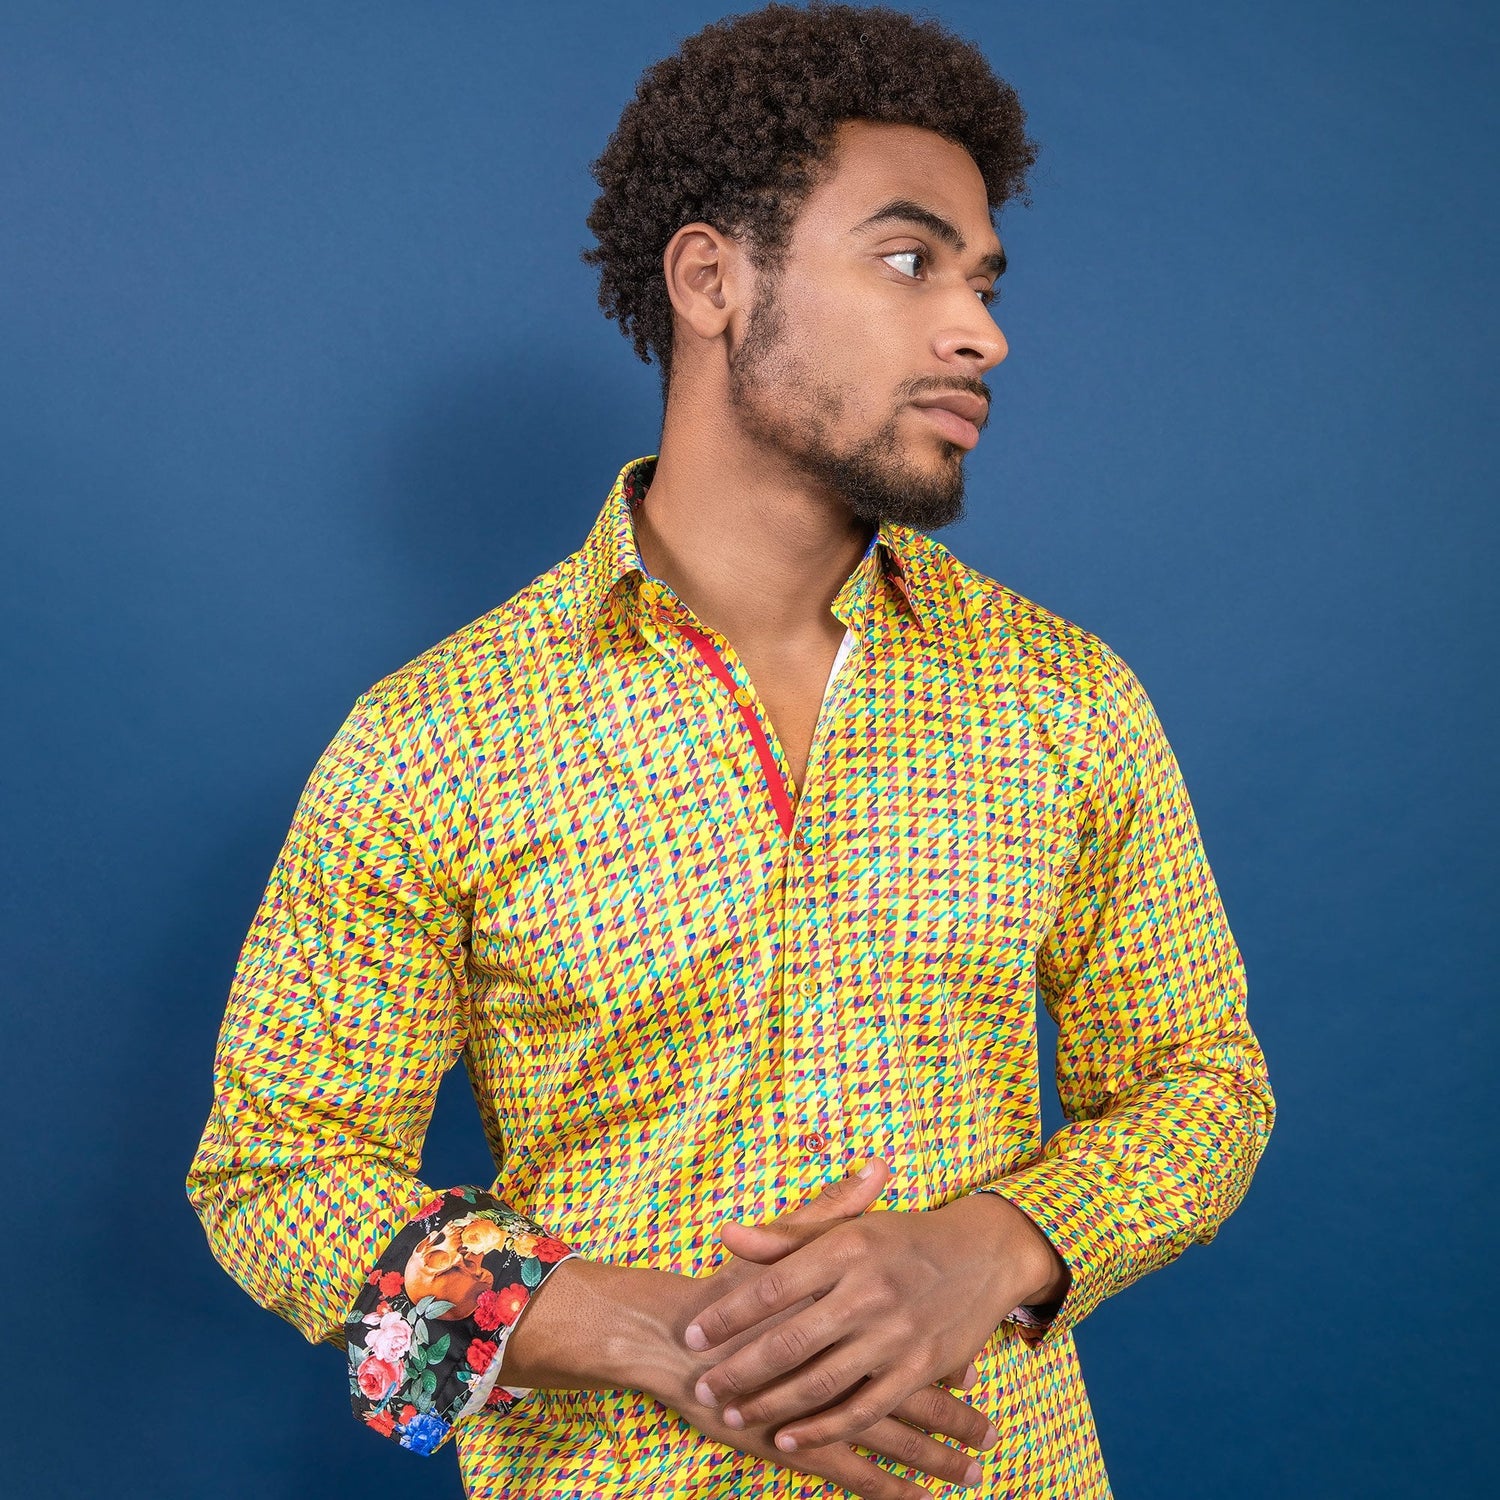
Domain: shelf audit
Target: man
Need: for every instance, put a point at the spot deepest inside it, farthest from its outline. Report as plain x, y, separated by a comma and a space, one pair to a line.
730, 854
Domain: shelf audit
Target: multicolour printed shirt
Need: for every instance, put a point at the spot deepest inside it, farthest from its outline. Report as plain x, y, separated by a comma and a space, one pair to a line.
564, 845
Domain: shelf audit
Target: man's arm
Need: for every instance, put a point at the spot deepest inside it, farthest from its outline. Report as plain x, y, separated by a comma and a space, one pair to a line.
1159, 1072
348, 1004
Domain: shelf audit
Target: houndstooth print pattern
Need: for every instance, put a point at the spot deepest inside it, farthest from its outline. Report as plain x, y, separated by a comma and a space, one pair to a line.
563, 845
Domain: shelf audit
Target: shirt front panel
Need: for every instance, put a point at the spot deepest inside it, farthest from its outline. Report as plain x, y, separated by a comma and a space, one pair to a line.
674, 996
681, 1009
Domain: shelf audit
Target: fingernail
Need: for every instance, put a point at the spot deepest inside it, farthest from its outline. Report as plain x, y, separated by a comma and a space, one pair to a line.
971, 1474
693, 1337
704, 1392
868, 1170
786, 1442
991, 1437
732, 1417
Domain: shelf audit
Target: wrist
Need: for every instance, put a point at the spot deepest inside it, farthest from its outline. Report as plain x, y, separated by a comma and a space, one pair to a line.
597, 1326
643, 1348
1041, 1270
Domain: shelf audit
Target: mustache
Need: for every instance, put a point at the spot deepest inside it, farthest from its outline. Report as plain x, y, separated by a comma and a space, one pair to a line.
932, 385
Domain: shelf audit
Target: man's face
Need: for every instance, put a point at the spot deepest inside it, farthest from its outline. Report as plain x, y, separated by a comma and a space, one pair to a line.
876, 314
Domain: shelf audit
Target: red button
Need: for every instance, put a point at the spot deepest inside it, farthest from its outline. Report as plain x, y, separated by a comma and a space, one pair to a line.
814, 1140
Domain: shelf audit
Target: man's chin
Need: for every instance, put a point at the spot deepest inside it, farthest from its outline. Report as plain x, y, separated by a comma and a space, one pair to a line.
886, 477
925, 497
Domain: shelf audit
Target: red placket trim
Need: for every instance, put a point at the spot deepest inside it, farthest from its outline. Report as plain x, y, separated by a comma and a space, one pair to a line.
716, 664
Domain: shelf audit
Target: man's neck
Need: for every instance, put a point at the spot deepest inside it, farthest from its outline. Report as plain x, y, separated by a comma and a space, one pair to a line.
753, 549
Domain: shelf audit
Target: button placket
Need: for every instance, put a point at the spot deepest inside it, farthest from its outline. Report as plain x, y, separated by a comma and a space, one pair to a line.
771, 772
833, 698
659, 620
812, 1037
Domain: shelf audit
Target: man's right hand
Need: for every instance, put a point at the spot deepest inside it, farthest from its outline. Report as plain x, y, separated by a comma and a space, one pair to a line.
906, 1434
597, 1326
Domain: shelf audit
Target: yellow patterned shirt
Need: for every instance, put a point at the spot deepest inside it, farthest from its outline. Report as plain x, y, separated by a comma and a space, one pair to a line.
564, 845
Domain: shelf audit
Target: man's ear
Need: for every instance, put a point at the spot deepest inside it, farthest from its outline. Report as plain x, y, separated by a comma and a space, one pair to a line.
704, 270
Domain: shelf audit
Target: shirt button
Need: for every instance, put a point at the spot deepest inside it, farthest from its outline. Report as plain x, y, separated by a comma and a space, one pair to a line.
814, 1140
800, 840
742, 697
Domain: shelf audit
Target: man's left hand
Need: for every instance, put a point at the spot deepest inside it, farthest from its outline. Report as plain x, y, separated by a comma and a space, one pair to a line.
902, 1299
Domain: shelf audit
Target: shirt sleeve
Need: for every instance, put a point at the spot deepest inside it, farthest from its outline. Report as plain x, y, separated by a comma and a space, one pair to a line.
1159, 1074
348, 1004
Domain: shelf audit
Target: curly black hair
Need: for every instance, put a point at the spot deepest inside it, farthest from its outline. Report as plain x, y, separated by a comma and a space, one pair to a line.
732, 128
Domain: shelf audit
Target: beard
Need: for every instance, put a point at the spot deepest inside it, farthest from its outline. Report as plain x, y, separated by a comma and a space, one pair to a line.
782, 405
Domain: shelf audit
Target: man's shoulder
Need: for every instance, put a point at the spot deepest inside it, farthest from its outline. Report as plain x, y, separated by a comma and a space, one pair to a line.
1037, 640
483, 666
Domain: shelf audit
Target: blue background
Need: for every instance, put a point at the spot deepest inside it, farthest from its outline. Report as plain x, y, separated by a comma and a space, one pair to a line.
300, 371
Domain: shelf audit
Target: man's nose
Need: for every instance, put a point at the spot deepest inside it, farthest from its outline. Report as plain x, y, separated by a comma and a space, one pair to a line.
972, 338
974, 341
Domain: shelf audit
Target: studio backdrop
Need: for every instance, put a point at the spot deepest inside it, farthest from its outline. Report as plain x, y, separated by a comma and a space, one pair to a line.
300, 371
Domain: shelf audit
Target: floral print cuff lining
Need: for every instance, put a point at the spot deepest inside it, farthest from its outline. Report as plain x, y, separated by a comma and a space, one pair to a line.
1026, 1317
427, 1332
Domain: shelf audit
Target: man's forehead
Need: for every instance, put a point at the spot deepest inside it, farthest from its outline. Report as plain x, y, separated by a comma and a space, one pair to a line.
876, 165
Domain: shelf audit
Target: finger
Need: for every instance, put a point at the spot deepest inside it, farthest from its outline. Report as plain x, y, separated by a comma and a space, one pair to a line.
806, 1274
964, 1381
893, 1439
934, 1410
844, 1197
861, 1408
853, 1472
798, 1365
765, 1244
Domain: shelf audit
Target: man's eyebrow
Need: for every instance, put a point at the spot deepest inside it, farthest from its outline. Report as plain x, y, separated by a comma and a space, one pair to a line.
904, 210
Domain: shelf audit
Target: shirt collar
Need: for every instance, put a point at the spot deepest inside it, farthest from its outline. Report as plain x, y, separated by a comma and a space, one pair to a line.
610, 554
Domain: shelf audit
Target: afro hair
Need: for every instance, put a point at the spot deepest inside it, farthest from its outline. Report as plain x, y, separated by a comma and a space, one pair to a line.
732, 128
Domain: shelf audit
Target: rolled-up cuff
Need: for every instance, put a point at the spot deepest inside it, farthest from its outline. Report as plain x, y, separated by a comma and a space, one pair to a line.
427, 1333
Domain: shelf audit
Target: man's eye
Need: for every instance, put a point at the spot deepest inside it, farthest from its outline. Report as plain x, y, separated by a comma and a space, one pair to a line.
911, 255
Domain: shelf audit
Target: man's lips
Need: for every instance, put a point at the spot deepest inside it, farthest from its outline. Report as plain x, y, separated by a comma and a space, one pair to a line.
956, 414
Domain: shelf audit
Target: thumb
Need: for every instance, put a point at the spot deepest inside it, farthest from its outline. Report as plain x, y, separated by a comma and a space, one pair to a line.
843, 1198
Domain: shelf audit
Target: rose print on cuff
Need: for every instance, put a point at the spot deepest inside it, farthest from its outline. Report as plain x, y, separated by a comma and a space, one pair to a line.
427, 1333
